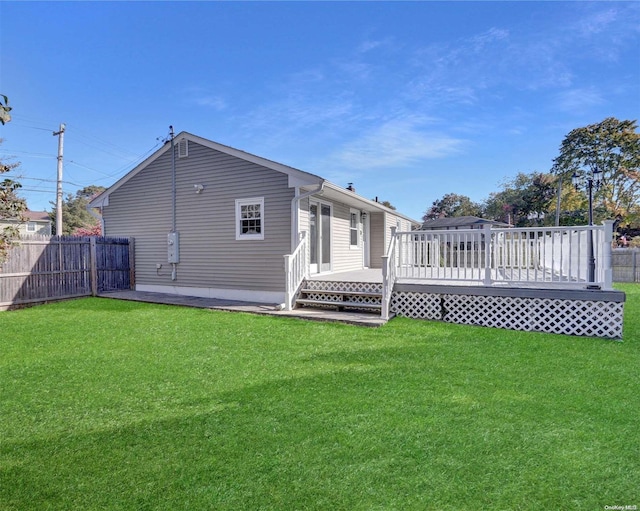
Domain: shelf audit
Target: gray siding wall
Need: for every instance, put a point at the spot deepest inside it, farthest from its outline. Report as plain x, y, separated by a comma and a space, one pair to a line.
303, 216
392, 220
210, 255
345, 258
378, 247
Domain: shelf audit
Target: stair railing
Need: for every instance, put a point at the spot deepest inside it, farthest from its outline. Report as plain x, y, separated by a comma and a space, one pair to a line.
296, 269
389, 265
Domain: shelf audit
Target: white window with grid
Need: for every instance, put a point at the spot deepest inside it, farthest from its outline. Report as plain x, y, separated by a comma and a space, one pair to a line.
354, 228
250, 219
32, 227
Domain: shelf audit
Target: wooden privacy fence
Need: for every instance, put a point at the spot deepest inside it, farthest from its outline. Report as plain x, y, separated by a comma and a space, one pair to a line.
626, 264
42, 268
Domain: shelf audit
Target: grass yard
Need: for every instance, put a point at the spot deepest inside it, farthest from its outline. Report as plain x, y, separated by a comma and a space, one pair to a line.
108, 405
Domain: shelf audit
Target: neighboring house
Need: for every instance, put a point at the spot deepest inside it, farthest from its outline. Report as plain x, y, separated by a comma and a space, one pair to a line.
35, 222
460, 222
236, 216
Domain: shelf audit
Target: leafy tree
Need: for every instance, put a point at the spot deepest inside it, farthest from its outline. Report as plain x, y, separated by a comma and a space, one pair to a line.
387, 204
452, 204
612, 147
4, 109
75, 215
11, 206
523, 201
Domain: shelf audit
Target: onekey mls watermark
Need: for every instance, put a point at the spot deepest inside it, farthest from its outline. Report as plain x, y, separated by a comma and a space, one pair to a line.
621, 508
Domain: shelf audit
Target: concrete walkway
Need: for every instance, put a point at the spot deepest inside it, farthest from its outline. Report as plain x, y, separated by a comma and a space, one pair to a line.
354, 318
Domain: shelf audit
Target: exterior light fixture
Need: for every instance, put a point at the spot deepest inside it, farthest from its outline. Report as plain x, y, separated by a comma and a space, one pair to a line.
593, 180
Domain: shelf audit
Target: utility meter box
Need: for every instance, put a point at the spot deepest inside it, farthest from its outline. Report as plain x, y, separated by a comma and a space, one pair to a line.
173, 247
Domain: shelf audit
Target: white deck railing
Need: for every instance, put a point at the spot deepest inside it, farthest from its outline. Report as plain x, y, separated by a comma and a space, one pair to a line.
389, 272
541, 256
296, 269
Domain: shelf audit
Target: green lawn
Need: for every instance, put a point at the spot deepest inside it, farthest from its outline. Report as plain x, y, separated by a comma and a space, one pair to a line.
120, 405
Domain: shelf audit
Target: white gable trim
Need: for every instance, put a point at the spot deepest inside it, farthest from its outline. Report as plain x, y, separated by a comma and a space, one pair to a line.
296, 177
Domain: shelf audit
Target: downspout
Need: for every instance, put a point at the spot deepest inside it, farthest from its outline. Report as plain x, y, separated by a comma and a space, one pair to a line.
174, 275
295, 212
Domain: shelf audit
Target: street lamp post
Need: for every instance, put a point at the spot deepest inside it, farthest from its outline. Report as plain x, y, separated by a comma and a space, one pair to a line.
592, 181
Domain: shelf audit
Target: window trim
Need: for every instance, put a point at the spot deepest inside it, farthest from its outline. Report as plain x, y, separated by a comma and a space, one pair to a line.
32, 227
247, 202
356, 212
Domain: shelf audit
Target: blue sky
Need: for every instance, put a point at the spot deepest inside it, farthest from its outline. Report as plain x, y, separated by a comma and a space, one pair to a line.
407, 100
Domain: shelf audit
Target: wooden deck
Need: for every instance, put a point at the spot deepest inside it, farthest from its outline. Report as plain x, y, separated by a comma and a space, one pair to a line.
452, 277
371, 275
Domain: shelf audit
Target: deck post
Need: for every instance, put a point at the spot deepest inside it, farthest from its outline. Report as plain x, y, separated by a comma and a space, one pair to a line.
288, 282
605, 264
487, 253
388, 274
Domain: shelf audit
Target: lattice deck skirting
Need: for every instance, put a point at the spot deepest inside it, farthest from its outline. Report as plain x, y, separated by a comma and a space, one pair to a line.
329, 285
573, 312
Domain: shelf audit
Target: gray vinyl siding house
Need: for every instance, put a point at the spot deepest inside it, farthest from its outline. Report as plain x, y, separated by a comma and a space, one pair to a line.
237, 215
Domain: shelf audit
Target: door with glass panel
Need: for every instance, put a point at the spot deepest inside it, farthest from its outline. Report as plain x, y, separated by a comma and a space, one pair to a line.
320, 236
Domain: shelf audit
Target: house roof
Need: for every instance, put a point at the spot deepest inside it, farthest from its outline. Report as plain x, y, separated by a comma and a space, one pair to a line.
297, 178
37, 216
31, 216
459, 221
333, 191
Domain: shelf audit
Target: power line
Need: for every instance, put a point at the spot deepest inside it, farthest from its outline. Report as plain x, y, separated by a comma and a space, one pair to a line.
73, 162
37, 190
78, 135
44, 180
20, 117
32, 127
35, 155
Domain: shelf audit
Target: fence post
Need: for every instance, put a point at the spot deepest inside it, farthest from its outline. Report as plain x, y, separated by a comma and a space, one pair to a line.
132, 263
93, 266
487, 254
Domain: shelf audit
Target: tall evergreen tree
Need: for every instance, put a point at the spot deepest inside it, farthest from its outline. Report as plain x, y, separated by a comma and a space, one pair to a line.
75, 215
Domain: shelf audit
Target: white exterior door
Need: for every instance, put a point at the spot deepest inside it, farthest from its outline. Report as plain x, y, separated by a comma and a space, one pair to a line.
319, 237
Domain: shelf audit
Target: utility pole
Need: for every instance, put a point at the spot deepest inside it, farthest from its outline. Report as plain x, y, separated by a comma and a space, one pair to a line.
60, 135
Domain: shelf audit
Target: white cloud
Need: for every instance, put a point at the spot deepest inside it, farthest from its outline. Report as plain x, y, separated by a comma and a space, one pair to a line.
397, 143
200, 96
215, 102
579, 99
596, 22
368, 45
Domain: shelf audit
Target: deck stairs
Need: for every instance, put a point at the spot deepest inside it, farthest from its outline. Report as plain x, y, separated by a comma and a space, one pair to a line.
341, 296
